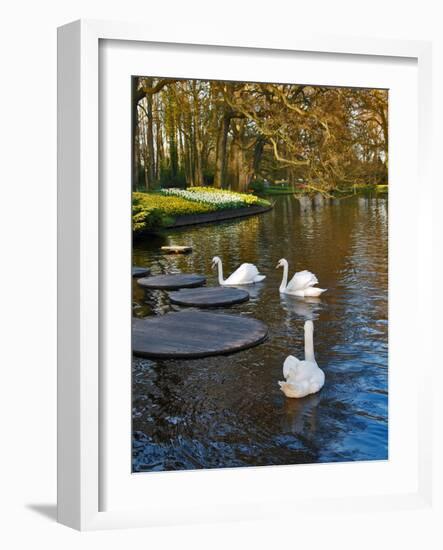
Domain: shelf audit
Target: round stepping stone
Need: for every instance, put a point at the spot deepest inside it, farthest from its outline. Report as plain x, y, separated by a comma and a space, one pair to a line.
140, 271
215, 296
172, 281
194, 334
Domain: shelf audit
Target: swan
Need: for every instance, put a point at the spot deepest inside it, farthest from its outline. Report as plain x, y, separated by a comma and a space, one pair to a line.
303, 377
246, 274
301, 284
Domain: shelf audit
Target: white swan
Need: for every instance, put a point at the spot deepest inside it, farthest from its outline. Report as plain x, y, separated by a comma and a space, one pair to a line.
303, 377
301, 284
246, 274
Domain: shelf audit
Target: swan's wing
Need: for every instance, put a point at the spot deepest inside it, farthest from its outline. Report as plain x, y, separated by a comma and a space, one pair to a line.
302, 380
249, 269
314, 291
245, 273
301, 280
290, 366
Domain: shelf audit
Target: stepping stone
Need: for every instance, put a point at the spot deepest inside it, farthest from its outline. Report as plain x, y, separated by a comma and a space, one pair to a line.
140, 271
176, 249
215, 296
194, 334
173, 281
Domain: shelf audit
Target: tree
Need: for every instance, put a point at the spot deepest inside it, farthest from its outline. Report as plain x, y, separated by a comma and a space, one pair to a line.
195, 132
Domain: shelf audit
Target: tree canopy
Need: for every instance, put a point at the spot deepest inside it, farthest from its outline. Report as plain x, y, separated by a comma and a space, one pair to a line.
232, 134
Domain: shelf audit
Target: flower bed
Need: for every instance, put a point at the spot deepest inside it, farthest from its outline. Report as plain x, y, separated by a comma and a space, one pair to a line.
219, 199
154, 210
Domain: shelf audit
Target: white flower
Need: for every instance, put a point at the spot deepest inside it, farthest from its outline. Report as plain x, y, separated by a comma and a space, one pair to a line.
219, 198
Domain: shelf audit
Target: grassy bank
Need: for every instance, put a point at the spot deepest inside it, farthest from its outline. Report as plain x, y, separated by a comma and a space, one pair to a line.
300, 190
280, 190
361, 189
152, 211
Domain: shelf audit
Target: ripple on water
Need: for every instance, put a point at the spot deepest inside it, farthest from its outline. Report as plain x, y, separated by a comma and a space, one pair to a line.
228, 411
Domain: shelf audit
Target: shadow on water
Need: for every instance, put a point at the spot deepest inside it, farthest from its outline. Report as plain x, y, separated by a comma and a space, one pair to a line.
229, 411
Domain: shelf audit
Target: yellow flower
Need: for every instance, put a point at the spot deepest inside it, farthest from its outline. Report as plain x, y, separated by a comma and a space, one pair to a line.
152, 210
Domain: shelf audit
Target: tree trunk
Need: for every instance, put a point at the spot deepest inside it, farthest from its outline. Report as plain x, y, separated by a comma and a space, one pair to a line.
173, 152
256, 159
159, 150
198, 169
244, 173
150, 140
134, 123
173, 157
220, 156
143, 151
235, 154
241, 168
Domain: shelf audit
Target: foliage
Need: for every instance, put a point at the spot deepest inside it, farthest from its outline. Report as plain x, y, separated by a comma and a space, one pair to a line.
152, 211
199, 132
258, 186
283, 190
146, 214
169, 179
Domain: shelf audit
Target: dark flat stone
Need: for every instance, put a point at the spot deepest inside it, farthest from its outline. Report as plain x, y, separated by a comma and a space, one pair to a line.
215, 296
173, 281
194, 334
140, 271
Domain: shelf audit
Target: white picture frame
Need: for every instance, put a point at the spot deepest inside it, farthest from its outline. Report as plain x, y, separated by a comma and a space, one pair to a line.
81, 397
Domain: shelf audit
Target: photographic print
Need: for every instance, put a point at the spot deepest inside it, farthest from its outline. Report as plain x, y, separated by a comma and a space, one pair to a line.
260, 274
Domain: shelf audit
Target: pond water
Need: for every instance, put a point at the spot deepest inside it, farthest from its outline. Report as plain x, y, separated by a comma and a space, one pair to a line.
228, 411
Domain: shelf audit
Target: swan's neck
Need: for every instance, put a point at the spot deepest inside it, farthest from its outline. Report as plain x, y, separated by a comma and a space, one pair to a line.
220, 273
309, 346
284, 281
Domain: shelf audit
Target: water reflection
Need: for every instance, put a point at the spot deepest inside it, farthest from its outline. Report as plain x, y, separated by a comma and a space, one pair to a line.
229, 411
305, 204
307, 309
254, 291
300, 415
319, 200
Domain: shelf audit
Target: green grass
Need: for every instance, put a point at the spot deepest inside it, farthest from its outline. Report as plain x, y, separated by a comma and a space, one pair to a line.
280, 190
361, 189
357, 189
